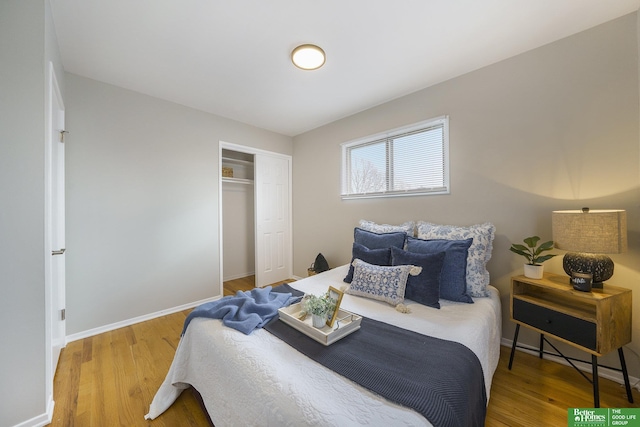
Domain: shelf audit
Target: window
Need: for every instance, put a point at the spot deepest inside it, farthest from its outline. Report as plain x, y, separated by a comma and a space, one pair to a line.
409, 161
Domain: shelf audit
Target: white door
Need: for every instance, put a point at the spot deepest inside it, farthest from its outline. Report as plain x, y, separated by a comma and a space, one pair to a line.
273, 219
57, 226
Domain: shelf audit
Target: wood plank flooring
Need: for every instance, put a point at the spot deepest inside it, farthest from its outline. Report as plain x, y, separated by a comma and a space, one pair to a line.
111, 378
242, 284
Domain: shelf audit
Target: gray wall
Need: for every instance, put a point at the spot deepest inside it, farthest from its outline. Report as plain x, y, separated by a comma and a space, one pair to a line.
553, 128
142, 202
239, 230
28, 44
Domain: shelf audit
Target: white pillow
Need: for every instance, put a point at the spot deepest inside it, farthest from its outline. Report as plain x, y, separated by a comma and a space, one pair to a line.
380, 282
408, 227
479, 252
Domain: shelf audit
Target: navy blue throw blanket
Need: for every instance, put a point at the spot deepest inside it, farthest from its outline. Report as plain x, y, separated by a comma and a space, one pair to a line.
440, 379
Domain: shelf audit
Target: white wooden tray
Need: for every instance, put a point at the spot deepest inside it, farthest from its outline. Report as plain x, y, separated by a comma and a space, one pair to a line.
345, 324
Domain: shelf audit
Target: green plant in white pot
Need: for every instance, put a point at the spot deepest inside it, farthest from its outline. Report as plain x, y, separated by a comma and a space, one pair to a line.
318, 307
533, 269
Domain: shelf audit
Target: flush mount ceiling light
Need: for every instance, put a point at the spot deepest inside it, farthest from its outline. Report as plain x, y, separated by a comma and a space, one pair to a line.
308, 57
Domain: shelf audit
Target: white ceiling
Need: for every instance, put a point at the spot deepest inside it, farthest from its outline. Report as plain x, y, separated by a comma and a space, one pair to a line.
231, 57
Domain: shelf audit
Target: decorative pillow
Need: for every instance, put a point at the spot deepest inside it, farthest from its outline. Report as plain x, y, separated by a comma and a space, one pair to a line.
379, 282
479, 252
425, 287
453, 284
372, 256
407, 227
378, 241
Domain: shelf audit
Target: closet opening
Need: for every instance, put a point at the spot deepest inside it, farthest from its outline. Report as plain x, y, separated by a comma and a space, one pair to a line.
255, 215
238, 216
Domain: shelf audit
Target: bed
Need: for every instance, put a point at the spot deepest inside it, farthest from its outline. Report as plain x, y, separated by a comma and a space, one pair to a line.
259, 380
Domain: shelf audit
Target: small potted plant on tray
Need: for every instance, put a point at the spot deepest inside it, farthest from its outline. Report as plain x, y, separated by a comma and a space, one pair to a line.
318, 307
533, 268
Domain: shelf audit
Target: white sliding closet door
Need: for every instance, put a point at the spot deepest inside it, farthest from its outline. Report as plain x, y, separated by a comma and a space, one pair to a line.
273, 219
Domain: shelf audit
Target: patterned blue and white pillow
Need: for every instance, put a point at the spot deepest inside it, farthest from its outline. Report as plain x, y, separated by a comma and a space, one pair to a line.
379, 282
408, 227
479, 252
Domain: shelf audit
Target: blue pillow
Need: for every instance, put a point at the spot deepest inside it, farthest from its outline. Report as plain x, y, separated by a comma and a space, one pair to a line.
453, 279
425, 287
378, 241
371, 256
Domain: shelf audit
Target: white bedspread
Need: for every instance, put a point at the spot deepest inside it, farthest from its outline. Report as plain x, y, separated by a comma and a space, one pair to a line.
258, 380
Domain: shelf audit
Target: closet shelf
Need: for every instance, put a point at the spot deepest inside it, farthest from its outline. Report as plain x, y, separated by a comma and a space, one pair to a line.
238, 181
236, 161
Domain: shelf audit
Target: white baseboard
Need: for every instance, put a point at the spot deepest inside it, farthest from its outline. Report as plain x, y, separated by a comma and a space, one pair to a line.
129, 322
603, 372
41, 420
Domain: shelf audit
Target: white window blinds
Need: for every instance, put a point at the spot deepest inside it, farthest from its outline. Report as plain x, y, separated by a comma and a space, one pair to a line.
406, 161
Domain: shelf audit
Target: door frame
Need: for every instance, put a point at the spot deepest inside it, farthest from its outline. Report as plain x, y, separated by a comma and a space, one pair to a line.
51, 306
250, 150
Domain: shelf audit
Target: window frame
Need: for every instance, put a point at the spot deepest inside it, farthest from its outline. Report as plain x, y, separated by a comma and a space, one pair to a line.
346, 147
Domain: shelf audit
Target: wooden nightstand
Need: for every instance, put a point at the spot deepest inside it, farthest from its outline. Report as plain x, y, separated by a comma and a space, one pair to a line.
597, 322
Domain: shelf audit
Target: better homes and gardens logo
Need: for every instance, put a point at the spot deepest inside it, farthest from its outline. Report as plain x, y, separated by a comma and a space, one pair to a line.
603, 417
588, 417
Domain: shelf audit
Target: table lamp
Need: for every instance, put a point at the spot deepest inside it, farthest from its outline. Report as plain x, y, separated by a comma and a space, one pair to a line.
588, 235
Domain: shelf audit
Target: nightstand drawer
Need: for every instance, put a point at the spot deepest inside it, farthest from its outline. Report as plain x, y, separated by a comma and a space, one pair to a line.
555, 323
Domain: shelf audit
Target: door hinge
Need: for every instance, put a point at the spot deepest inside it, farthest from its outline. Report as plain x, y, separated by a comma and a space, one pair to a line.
63, 314
62, 132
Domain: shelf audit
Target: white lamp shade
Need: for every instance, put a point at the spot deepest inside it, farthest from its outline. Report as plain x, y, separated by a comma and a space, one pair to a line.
592, 231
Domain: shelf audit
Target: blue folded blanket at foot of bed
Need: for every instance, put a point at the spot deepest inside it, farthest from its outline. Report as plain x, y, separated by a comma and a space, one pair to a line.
248, 310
